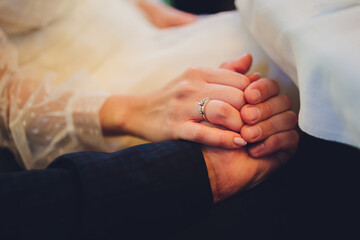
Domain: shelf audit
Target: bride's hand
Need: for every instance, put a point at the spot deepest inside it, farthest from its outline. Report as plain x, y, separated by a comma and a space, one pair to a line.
163, 16
173, 111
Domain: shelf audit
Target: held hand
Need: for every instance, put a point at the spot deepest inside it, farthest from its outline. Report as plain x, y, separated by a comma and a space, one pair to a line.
164, 16
231, 171
270, 123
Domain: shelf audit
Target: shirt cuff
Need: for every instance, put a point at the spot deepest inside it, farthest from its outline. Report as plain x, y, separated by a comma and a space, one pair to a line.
86, 121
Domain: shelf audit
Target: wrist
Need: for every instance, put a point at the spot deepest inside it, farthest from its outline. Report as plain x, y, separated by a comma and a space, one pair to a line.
212, 176
227, 176
117, 114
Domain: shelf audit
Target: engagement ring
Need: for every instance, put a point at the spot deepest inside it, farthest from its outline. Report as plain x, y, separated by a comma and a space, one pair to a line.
202, 104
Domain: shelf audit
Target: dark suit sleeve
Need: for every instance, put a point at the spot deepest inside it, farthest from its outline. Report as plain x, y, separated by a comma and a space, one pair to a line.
39, 204
148, 190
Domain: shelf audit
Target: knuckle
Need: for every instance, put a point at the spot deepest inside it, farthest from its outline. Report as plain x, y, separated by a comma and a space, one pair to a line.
185, 88
244, 113
245, 133
244, 81
223, 111
246, 116
273, 83
237, 99
290, 140
292, 118
294, 138
270, 126
276, 141
266, 109
194, 72
222, 139
286, 100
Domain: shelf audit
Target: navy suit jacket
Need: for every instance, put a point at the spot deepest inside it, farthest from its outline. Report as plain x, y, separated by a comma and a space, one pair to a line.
144, 191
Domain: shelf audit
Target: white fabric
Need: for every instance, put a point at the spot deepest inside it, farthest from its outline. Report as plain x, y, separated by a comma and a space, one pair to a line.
17, 16
114, 45
40, 120
317, 43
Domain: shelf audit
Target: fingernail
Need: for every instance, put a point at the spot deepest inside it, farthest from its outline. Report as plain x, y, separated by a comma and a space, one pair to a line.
254, 132
257, 149
254, 113
282, 157
239, 142
255, 96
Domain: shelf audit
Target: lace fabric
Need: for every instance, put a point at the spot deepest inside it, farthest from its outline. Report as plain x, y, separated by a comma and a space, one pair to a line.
41, 120
49, 111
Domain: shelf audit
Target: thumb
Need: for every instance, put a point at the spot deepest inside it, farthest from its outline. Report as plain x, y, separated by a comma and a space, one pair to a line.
239, 65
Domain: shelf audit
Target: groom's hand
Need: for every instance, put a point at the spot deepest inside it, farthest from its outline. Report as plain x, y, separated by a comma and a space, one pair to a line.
272, 125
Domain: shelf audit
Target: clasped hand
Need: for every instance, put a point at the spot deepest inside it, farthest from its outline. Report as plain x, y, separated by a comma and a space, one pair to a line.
242, 109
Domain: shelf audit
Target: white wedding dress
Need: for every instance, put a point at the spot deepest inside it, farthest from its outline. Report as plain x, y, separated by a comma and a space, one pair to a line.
72, 54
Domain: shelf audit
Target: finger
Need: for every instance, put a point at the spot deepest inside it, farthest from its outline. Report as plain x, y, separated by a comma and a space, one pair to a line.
252, 114
239, 65
282, 144
278, 123
261, 90
179, 18
254, 76
218, 76
231, 95
211, 136
222, 113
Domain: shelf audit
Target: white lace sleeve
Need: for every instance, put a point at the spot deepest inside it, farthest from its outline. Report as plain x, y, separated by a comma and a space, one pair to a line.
41, 120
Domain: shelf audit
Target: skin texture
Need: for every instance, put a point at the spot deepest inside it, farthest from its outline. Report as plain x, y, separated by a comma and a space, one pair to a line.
164, 16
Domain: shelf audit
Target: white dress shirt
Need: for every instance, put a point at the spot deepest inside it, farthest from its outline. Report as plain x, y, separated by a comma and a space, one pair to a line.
317, 43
